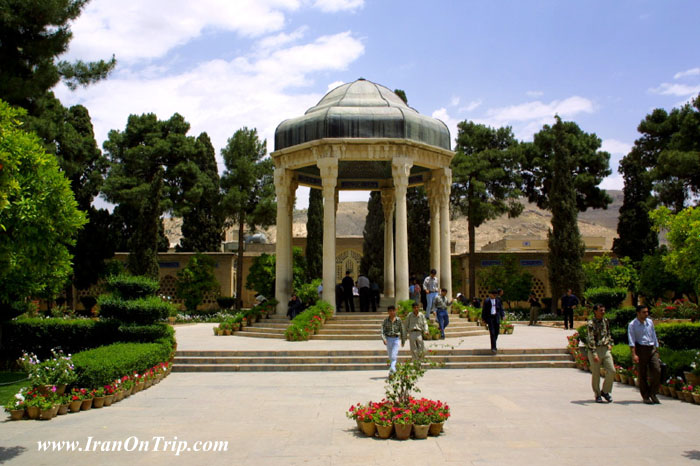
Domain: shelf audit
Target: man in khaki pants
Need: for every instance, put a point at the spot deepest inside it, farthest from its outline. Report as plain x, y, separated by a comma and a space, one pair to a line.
599, 346
415, 326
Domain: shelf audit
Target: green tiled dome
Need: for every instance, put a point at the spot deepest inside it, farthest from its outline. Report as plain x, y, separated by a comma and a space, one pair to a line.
361, 109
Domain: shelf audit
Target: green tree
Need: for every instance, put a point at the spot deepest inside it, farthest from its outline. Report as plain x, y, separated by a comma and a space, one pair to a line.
636, 238
563, 168
33, 34
248, 187
683, 233
669, 148
314, 235
372, 262
142, 158
196, 280
485, 179
39, 217
602, 272
510, 276
655, 282
261, 276
196, 197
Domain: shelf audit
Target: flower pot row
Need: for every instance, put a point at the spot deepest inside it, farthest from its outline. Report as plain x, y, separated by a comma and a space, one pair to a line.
32, 404
399, 431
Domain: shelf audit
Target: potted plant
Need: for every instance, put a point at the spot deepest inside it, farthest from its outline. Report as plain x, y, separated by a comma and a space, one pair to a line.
46, 411
421, 420
403, 423
696, 394
382, 419
16, 406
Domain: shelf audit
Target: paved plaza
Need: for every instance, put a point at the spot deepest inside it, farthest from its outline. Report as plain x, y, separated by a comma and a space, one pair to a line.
499, 416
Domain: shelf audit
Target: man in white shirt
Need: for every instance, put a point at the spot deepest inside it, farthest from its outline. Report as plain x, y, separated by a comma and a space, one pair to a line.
431, 287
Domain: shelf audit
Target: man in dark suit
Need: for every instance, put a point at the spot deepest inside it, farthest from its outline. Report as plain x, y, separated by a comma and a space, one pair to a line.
492, 313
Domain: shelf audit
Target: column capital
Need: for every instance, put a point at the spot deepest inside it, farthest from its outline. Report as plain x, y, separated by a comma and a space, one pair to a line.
283, 185
401, 170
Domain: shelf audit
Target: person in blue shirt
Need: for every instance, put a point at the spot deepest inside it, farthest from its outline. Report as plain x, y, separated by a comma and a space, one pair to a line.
645, 354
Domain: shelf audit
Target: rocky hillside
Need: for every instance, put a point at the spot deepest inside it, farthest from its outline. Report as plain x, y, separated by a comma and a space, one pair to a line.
533, 222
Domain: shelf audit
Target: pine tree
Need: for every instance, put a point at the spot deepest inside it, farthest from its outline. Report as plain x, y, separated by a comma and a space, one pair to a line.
314, 235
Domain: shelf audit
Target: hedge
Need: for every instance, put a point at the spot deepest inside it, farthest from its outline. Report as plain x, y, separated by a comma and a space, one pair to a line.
679, 336
132, 286
226, 302
145, 333
676, 361
101, 366
40, 335
304, 324
141, 311
608, 297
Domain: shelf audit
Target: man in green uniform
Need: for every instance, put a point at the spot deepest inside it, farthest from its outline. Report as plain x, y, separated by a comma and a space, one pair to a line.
599, 346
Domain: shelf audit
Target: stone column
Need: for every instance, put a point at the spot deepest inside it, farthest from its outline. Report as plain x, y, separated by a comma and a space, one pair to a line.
445, 184
293, 185
283, 270
328, 167
431, 188
388, 207
401, 169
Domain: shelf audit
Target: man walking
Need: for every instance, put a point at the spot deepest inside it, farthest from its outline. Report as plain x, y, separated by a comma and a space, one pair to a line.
392, 330
568, 302
348, 285
645, 354
599, 345
363, 286
491, 314
441, 303
431, 286
415, 327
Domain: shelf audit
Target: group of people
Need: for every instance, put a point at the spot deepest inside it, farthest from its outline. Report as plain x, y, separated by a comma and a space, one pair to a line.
347, 289
644, 345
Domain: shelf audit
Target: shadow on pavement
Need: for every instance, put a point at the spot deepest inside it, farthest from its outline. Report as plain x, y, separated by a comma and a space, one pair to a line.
692, 454
7, 453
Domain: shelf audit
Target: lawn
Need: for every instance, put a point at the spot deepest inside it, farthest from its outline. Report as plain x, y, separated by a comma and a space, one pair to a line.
10, 383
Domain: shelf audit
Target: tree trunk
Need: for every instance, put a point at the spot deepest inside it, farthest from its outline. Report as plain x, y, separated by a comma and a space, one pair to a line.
239, 263
472, 259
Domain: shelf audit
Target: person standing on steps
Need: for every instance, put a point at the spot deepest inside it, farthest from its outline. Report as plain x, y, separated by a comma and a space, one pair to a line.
599, 345
645, 354
441, 303
534, 308
363, 287
348, 284
432, 287
568, 302
415, 326
492, 314
392, 331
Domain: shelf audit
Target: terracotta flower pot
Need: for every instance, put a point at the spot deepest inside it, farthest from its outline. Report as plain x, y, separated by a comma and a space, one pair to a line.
421, 431
74, 406
696, 398
63, 409
86, 405
46, 414
368, 428
98, 402
16, 414
109, 399
617, 377
385, 431
54, 410
436, 428
623, 378
403, 431
33, 412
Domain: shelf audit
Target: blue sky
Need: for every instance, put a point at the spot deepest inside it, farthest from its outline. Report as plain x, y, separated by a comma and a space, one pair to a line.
228, 64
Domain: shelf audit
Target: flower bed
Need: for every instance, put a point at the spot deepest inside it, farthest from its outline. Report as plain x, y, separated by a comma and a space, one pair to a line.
308, 322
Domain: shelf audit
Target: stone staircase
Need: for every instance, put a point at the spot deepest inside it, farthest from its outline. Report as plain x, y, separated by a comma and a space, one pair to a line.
360, 360
353, 326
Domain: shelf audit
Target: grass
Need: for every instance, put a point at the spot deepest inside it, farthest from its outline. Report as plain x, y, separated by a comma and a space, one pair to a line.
10, 383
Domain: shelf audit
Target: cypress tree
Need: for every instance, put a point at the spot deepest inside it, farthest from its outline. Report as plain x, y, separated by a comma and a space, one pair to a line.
418, 218
314, 235
372, 263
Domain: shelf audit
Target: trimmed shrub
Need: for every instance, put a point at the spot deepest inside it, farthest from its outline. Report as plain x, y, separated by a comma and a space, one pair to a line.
611, 298
132, 286
308, 292
680, 336
101, 366
41, 335
677, 361
310, 320
621, 317
622, 355
145, 333
140, 311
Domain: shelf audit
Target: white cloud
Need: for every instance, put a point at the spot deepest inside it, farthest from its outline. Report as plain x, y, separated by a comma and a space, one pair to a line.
333, 6
220, 96
281, 39
454, 101
451, 122
470, 106
614, 181
135, 29
534, 93
334, 84
676, 89
685, 74
616, 147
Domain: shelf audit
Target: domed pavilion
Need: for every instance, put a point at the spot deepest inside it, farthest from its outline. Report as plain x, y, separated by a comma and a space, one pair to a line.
362, 136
